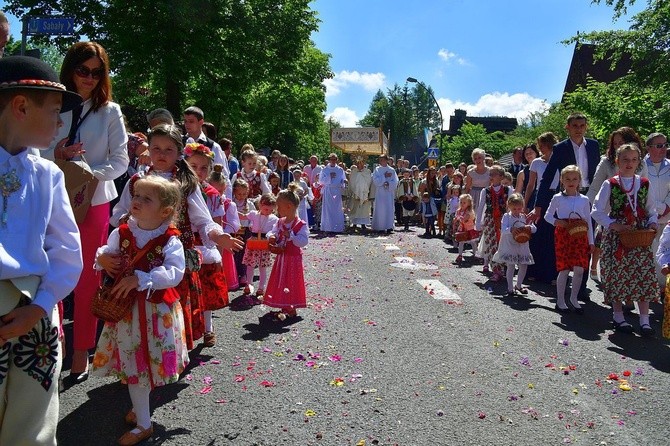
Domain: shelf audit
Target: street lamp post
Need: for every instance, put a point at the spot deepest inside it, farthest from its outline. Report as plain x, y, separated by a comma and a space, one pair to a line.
413, 80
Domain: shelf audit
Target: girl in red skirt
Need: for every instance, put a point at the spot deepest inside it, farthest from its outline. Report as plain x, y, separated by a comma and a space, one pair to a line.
212, 277
286, 287
572, 246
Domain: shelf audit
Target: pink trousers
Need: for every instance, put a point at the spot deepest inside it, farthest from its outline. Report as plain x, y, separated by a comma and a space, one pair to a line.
93, 232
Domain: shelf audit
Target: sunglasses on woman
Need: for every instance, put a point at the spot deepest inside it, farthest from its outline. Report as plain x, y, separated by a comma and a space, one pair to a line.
83, 71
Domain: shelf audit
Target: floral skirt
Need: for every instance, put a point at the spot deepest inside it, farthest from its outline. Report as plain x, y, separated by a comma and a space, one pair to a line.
570, 251
629, 274
488, 243
257, 257
122, 353
214, 287
449, 226
190, 298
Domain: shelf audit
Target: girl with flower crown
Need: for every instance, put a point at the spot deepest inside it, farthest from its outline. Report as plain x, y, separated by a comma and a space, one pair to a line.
625, 203
166, 149
212, 275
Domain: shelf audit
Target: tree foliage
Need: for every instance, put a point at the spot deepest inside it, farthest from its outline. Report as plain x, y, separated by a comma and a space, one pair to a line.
250, 64
403, 113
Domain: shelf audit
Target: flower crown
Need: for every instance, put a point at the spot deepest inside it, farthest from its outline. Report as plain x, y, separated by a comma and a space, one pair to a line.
195, 148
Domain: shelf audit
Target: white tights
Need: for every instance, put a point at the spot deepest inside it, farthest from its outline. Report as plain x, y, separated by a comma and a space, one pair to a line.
139, 396
262, 276
209, 325
562, 282
519, 277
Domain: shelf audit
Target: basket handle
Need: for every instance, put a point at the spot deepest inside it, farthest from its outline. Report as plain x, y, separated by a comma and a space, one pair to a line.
576, 213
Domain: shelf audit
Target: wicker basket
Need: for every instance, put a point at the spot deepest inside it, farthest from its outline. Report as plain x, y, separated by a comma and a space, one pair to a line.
637, 238
577, 227
522, 234
108, 308
258, 244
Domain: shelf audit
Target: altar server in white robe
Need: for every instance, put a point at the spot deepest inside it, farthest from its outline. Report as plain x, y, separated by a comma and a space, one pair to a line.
360, 182
385, 180
333, 180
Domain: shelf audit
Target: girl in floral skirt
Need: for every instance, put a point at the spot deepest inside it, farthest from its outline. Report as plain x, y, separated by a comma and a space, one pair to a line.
490, 211
624, 203
572, 251
260, 222
146, 348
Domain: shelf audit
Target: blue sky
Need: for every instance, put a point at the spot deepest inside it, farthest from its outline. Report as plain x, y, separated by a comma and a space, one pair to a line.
489, 57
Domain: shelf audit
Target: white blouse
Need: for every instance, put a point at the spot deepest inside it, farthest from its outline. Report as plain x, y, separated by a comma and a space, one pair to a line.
565, 206
40, 236
299, 239
104, 139
261, 223
601, 205
168, 275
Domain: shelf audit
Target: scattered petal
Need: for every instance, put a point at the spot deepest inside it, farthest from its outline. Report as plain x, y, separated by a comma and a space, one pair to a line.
239, 378
310, 413
267, 384
335, 358
626, 373
205, 390
481, 415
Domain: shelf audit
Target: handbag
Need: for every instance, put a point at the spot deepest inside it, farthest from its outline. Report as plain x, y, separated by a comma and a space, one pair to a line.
80, 185
109, 308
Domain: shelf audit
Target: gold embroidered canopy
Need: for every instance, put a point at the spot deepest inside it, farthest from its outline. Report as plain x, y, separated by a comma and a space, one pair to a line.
367, 140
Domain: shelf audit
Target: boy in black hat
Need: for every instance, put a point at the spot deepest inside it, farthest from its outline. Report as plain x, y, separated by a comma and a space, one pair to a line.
40, 251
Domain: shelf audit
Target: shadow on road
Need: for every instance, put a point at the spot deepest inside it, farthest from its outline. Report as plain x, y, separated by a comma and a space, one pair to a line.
266, 326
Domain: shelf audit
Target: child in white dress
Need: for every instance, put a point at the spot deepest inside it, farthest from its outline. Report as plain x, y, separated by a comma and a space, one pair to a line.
511, 252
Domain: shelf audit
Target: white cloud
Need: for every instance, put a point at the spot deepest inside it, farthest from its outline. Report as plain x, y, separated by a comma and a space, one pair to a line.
345, 116
344, 79
518, 105
447, 56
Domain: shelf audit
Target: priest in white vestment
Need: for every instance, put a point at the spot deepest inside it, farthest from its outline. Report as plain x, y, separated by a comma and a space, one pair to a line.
385, 181
333, 180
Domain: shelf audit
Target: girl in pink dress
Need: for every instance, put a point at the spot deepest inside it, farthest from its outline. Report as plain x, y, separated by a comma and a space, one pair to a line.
286, 287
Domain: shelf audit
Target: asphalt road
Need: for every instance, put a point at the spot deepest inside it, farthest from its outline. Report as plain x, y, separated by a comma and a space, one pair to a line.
400, 346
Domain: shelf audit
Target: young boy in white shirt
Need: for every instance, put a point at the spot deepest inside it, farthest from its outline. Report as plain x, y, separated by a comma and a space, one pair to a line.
40, 250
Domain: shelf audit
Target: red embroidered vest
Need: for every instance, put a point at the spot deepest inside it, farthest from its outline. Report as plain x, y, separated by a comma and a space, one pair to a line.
151, 260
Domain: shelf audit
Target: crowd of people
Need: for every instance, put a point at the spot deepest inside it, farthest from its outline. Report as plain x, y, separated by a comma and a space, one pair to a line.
191, 222
559, 213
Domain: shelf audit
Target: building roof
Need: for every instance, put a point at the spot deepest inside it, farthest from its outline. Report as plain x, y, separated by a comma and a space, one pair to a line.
583, 65
490, 123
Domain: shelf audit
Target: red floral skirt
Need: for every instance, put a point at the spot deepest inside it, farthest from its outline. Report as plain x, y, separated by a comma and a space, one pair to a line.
214, 287
570, 251
190, 298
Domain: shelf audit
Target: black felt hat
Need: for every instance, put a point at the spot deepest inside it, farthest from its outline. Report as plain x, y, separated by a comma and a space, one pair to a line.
34, 74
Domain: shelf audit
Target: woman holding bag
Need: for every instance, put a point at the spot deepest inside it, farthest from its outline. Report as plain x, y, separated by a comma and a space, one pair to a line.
97, 131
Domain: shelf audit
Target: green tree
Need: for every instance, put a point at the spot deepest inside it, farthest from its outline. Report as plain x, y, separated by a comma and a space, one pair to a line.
218, 54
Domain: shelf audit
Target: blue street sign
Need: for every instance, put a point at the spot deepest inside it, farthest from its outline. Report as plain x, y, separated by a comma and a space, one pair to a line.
51, 25
433, 153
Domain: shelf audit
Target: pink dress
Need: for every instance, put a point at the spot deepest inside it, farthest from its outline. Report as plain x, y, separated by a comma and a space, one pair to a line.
286, 286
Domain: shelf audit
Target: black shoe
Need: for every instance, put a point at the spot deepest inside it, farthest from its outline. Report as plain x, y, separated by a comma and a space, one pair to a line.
623, 327
562, 310
75, 378
647, 330
511, 294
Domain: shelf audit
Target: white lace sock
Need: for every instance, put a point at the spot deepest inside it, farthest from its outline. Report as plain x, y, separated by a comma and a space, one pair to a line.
577, 275
617, 312
561, 283
139, 395
643, 307
209, 325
